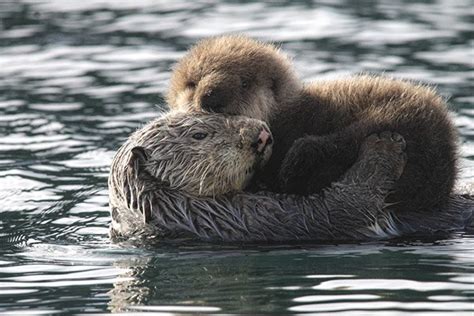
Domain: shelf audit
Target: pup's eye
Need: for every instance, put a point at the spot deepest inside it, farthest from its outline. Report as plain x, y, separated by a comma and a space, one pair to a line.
199, 136
190, 84
245, 84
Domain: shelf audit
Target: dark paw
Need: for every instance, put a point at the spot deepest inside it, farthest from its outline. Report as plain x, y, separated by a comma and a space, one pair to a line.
385, 141
296, 165
386, 149
314, 162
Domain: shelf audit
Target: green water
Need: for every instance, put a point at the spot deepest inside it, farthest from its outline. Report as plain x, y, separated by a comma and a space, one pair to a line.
76, 77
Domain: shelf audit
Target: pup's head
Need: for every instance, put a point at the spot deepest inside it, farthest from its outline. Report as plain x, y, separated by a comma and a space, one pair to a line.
232, 74
200, 153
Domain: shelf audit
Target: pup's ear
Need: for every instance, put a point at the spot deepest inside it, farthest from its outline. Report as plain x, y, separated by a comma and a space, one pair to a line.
138, 157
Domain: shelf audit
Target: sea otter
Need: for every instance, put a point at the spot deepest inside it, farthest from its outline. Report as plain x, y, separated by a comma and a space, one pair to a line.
319, 127
181, 176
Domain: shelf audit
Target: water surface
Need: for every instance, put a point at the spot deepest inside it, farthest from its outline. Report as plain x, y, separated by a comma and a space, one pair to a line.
76, 77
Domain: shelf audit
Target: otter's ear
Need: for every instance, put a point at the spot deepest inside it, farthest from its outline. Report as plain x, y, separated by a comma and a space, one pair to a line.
139, 156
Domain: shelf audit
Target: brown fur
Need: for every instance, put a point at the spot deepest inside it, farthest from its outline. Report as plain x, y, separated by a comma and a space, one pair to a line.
157, 191
230, 81
319, 127
158, 187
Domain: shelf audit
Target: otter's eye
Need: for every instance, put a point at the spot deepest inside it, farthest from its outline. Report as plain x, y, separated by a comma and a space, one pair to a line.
199, 136
245, 84
190, 84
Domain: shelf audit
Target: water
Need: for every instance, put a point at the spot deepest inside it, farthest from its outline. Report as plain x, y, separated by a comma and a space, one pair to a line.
76, 77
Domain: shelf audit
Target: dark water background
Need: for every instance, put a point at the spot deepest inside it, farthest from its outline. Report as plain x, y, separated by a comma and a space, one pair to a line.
76, 77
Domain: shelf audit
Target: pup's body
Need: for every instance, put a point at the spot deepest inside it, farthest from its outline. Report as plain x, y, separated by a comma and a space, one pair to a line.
318, 128
338, 115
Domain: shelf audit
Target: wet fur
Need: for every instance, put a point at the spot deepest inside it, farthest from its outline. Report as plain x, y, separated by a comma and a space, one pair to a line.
318, 128
222, 162
145, 206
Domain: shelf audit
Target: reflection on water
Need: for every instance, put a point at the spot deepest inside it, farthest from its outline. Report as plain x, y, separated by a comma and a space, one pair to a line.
310, 279
76, 77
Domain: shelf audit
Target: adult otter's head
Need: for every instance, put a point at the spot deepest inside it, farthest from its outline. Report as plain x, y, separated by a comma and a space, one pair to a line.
235, 75
199, 153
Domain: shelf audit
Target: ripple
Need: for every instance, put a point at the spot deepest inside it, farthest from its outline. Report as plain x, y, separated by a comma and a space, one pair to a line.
141, 55
325, 298
174, 308
363, 306
39, 143
77, 77
56, 107
450, 55
92, 159
73, 6
397, 32
390, 284
25, 31
24, 194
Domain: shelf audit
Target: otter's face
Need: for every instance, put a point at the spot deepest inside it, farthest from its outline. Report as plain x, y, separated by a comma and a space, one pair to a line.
234, 75
202, 153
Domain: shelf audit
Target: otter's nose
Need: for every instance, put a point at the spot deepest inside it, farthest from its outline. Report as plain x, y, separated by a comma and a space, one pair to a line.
264, 138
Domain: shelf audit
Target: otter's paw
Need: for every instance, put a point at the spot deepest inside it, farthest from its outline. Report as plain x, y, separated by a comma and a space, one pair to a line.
298, 165
385, 152
385, 141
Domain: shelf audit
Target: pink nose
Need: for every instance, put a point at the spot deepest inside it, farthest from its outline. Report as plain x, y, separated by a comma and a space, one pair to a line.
264, 139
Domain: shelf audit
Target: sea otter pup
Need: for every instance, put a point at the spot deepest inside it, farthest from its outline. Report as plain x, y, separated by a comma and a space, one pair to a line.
182, 176
318, 128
